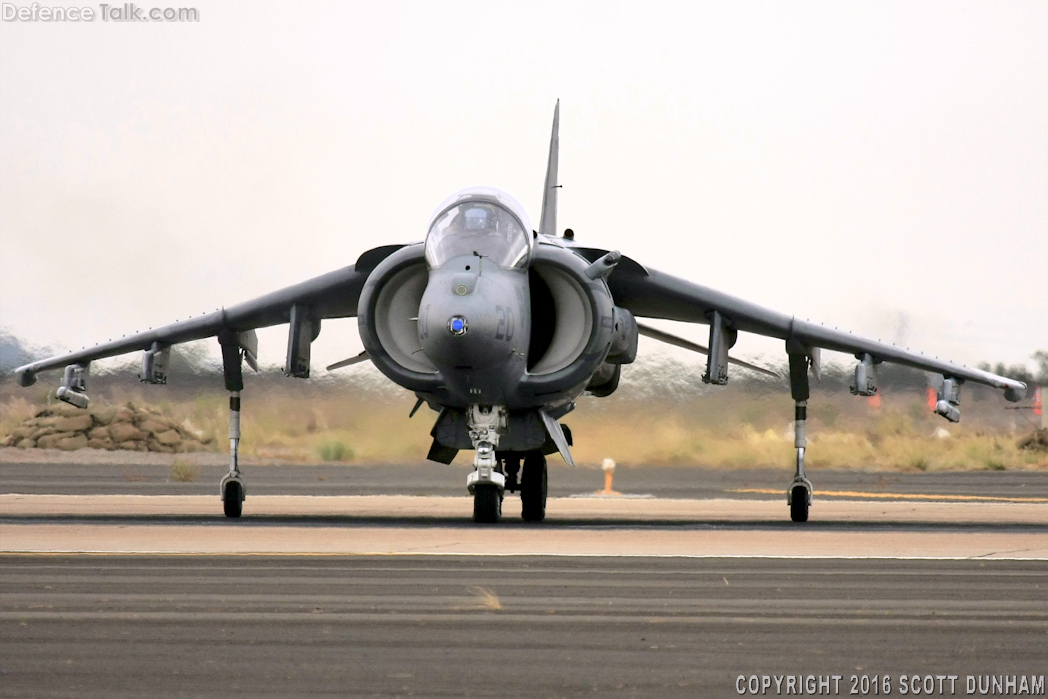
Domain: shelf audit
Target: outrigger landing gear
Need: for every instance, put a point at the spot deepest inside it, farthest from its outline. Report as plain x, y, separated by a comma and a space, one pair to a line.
487, 483
232, 486
798, 496
799, 492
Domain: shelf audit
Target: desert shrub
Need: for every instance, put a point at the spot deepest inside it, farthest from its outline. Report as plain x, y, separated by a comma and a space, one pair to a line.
334, 450
185, 473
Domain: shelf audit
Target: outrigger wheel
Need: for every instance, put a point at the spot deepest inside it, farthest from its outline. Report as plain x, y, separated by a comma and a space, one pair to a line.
233, 499
533, 486
487, 503
799, 504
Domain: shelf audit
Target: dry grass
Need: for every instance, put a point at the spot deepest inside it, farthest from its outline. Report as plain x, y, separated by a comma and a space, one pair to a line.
185, 473
14, 410
486, 599
740, 429
728, 428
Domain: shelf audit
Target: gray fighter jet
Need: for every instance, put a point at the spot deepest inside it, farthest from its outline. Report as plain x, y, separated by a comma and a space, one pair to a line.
500, 328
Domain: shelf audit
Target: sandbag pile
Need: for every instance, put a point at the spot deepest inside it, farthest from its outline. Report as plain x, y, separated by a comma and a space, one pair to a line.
127, 427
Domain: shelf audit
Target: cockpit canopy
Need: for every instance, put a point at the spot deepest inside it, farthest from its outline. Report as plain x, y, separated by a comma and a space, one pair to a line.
480, 220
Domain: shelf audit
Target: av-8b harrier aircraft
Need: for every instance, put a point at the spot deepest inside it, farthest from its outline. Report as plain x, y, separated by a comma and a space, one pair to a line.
500, 328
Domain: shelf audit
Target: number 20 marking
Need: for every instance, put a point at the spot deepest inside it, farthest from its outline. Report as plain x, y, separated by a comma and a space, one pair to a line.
506, 325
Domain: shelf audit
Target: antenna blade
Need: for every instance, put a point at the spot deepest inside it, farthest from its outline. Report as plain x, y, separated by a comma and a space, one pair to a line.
548, 222
362, 357
557, 435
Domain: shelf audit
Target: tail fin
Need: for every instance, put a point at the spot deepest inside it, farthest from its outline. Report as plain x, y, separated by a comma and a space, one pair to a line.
548, 222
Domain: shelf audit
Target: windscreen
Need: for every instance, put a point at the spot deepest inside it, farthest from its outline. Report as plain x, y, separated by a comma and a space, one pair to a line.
477, 227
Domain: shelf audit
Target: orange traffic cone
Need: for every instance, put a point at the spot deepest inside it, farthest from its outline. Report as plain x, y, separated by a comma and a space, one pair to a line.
609, 473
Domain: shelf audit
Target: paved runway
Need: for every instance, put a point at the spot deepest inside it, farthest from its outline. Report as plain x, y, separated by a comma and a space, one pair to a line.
428, 478
438, 525
262, 626
327, 590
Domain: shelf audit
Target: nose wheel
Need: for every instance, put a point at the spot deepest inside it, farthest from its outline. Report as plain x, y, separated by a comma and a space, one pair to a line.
487, 503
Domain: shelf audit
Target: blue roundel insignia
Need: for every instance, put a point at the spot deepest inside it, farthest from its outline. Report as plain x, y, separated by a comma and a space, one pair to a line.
457, 325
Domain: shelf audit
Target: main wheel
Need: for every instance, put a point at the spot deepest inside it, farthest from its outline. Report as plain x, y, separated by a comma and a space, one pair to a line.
233, 499
799, 504
533, 486
487, 504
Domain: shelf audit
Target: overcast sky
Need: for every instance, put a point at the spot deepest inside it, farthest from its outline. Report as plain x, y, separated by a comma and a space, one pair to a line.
879, 167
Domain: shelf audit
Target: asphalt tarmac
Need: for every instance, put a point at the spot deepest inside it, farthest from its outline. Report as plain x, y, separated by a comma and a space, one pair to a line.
365, 581
263, 626
428, 478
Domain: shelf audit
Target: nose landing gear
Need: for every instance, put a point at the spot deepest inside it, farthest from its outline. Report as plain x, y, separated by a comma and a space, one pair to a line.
487, 483
497, 472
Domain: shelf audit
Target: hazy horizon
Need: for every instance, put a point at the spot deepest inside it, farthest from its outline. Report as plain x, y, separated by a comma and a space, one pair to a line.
878, 167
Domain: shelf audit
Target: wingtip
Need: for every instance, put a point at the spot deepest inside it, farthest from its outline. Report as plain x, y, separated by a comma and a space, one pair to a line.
1014, 394
25, 376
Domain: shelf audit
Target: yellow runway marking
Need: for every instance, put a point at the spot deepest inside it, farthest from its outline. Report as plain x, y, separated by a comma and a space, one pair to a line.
892, 496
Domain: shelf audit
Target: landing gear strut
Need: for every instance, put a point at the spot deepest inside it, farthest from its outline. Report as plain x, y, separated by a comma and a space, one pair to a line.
487, 483
232, 485
511, 467
799, 494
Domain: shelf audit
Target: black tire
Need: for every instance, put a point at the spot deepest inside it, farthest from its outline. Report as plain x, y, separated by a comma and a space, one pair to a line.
799, 504
233, 499
487, 504
533, 486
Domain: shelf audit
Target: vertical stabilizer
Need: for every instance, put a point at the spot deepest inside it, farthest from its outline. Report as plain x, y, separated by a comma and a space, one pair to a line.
548, 222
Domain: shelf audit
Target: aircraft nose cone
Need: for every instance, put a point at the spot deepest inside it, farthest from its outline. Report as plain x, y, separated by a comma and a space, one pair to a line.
457, 325
468, 331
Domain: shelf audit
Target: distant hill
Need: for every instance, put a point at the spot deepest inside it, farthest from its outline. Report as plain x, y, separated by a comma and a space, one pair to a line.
186, 360
14, 352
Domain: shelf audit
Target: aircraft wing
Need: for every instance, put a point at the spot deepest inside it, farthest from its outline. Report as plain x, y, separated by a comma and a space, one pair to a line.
652, 294
331, 295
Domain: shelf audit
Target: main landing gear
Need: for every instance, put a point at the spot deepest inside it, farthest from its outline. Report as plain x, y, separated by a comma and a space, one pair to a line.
532, 483
533, 487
